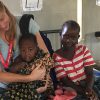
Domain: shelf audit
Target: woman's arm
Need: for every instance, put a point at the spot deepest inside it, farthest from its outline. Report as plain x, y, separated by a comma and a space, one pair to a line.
41, 42
11, 77
34, 29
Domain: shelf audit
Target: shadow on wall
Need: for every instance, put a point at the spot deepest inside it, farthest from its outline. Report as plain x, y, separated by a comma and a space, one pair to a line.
92, 41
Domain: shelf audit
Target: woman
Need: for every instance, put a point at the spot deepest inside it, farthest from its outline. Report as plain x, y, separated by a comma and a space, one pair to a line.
30, 54
8, 50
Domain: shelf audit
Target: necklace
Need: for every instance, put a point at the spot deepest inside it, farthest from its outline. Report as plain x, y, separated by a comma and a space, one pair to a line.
6, 62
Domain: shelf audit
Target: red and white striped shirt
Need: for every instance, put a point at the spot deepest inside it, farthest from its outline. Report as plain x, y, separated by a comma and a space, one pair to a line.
74, 68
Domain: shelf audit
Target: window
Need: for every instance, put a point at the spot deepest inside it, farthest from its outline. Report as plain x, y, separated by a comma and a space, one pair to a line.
32, 5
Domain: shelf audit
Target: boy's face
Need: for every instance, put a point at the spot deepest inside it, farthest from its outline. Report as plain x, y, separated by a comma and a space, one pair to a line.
69, 39
28, 50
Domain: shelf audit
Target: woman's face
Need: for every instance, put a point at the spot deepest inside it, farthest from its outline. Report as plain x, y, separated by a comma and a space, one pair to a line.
4, 21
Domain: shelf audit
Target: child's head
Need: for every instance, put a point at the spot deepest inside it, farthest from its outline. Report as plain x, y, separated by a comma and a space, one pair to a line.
28, 46
70, 34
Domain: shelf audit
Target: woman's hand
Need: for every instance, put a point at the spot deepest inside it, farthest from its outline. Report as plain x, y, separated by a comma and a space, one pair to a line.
37, 74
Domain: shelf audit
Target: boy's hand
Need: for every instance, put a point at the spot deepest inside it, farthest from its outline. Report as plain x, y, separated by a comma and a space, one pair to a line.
91, 94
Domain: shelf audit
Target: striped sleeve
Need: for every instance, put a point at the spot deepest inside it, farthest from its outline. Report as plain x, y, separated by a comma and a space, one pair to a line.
88, 59
60, 72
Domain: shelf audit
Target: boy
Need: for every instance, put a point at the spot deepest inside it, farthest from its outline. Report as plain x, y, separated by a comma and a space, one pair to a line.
74, 63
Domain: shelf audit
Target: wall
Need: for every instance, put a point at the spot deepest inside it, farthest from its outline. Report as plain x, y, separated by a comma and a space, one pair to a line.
90, 17
52, 16
93, 45
14, 6
91, 24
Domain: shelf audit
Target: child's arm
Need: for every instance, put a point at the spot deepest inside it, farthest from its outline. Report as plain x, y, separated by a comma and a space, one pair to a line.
16, 65
43, 88
44, 62
48, 64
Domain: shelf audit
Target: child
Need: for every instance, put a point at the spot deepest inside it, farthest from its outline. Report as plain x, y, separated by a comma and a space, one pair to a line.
74, 63
30, 54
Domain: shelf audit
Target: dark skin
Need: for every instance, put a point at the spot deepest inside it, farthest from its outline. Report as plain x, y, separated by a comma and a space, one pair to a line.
27, 51
68, 41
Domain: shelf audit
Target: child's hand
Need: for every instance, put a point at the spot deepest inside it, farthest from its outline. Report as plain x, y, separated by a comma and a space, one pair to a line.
17, 67
41, 89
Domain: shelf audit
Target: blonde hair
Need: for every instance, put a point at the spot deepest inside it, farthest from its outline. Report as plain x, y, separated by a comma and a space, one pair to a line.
12, 25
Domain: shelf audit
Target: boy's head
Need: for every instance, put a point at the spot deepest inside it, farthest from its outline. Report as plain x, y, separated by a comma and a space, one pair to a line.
70, 34
28, 46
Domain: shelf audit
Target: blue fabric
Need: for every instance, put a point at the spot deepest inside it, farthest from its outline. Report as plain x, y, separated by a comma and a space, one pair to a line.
53, 77
2, 90
3, 48
33, 27
96, 72
97, 86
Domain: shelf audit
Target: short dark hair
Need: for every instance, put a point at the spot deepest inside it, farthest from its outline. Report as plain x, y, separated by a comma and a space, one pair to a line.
28, 36
72, 26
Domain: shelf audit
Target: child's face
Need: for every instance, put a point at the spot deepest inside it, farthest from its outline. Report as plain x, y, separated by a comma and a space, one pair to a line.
28, 50
69, 39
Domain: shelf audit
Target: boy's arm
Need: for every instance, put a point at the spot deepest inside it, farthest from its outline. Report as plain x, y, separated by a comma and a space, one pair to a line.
89, 82
88, 66
90, 76
68, 83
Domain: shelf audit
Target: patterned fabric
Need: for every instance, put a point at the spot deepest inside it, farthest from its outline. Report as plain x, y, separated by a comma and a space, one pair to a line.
74, 68
27, 91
